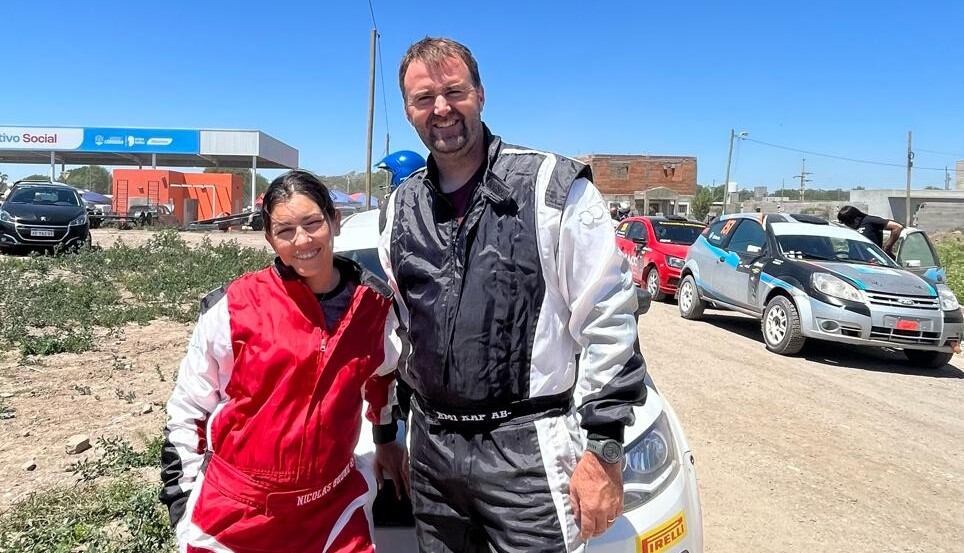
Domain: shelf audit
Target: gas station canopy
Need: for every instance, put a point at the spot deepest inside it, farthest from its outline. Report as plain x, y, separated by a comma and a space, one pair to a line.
145, 147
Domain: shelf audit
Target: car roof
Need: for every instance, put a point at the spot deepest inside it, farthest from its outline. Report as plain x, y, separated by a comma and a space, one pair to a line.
663, 218
358, 232
26, 183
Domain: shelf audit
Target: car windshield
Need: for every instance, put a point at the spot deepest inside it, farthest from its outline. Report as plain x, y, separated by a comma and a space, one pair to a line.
828, 248
44, 195
671, 232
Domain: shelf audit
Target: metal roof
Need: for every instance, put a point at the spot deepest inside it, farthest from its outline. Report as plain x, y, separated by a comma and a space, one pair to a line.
144, 147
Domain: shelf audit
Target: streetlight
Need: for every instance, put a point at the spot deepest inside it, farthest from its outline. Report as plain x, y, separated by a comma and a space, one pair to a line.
729, 159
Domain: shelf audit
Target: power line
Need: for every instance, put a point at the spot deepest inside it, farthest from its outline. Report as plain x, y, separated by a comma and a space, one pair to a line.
842, 158
958, 156
381, 71
371, 10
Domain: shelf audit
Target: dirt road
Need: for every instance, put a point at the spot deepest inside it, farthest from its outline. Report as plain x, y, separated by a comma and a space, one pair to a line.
840, 449
106, 237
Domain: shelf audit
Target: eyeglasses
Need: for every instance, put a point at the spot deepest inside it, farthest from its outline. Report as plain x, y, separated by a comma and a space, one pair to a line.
288, 232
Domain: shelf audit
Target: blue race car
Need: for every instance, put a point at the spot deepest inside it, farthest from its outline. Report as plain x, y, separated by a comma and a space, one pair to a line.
805, 279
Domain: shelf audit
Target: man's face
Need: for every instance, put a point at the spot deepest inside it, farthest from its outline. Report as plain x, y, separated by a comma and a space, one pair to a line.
444, 107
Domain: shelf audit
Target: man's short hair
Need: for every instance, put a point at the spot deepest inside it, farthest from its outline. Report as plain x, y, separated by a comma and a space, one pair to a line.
850, 215
433, 51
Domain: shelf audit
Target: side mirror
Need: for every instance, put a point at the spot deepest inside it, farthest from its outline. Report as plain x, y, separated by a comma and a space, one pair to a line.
641, 240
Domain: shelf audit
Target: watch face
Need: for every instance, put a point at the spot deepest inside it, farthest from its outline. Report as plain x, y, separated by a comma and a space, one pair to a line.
612, 451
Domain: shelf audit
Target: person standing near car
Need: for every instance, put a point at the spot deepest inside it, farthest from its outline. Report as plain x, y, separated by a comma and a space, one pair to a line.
871, 227
524, 362
266, 411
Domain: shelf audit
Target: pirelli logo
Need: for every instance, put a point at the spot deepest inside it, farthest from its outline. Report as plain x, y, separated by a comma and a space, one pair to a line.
663, 537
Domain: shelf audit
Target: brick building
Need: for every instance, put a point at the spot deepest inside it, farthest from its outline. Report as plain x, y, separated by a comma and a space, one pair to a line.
651, 184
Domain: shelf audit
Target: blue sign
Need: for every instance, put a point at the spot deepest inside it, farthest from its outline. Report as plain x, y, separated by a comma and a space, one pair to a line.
141, 141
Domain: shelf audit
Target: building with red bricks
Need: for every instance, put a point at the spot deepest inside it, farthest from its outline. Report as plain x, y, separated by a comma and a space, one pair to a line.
663, 185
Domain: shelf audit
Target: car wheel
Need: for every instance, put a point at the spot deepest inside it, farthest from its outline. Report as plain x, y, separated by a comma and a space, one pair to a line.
690, 305
781, 327
652, 284
928, 359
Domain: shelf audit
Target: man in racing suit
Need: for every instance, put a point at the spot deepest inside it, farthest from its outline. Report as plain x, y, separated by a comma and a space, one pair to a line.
520, 314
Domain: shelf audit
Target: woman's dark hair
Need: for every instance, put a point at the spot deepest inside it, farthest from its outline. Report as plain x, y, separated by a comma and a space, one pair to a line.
296, 182
850, 215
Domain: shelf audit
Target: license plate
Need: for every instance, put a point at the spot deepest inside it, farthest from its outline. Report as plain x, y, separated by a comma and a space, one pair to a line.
904, 324
42, 233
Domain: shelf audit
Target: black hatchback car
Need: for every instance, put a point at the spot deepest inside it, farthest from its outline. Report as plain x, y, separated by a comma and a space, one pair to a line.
42, 215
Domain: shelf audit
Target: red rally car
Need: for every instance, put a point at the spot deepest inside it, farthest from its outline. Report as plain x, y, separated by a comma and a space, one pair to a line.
656, 248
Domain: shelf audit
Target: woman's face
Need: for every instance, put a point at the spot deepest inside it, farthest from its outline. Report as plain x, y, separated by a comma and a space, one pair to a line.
303, 237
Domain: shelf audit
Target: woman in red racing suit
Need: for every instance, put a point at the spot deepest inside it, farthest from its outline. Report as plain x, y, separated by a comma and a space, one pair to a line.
266, 411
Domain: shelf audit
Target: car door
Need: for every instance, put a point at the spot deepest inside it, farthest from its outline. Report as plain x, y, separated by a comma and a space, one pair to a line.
915, 252
636, 236
622, 242
744, 246
709, 255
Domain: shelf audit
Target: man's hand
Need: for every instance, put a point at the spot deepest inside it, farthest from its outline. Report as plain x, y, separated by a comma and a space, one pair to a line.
392, 459
596, 493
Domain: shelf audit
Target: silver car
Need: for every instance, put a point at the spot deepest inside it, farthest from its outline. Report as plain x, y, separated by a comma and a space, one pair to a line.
805, 279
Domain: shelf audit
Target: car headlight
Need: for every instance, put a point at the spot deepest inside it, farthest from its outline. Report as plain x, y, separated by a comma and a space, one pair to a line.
836, 287
652, 463
948, 299
674, 262
79, 220
6, 217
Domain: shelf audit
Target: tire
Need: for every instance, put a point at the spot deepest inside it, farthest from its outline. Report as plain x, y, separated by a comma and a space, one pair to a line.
257, 223
690, 305
928, 359
781, 327
651, 280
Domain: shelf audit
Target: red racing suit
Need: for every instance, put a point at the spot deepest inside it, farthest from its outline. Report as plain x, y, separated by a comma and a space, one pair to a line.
266, 413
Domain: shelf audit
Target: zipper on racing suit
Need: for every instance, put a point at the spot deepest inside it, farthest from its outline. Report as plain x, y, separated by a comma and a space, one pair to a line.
456, 264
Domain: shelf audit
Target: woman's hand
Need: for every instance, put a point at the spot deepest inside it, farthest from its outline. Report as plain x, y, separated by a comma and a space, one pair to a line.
392, 459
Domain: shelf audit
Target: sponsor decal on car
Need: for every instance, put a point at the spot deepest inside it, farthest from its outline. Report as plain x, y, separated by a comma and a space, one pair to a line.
664, 536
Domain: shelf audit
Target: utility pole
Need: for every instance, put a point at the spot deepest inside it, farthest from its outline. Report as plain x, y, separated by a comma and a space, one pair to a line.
803, 177
947, 179
371, 123
729, 158
910, 163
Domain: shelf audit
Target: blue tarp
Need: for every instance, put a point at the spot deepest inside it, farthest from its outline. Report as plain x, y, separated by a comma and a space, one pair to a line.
360, 199
90, 196
338, 196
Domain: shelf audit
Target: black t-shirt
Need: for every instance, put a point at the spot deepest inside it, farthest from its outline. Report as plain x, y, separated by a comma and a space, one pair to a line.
336, 302
461, 197
873, 229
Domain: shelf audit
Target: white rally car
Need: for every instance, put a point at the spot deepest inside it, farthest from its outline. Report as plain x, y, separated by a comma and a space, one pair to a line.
661, 503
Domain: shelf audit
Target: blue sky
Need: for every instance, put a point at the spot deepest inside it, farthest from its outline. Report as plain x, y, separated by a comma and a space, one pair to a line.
840, 77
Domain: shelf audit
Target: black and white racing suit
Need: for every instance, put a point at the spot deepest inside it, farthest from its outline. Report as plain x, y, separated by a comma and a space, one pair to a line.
523, 342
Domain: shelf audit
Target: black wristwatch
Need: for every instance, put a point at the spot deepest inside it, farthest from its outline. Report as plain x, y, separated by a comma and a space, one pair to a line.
610, 451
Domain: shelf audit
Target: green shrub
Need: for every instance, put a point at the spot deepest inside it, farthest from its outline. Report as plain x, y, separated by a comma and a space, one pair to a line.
951, 253
53, 304
120, 516
118, 457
